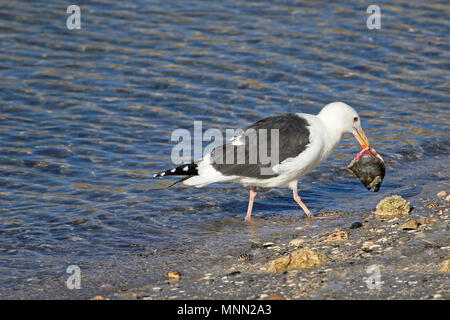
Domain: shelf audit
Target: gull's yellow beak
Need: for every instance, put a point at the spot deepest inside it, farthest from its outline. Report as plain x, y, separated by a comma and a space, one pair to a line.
361, 137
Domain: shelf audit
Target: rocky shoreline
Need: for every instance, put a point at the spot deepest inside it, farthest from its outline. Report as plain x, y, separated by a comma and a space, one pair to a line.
403, 255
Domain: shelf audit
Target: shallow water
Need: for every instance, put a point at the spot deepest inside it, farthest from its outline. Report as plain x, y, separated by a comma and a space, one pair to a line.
86, 118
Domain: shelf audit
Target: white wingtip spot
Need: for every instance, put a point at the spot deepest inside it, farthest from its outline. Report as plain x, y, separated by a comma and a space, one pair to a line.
186, 168
173, 170
162, 174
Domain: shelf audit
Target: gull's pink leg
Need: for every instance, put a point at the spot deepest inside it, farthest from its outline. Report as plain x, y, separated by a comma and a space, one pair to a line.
301, 204
251, 199
308, 213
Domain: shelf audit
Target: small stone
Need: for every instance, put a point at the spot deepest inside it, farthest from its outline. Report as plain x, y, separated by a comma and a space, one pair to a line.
337, 235
442, 194
275, 297
173, 276
425, 221
410, 225
302, 259
446, 266
414, 224
268, 244
367, 245
97, 298
392, 206
296, 242
233, 273
356, 225
447, 198
245, 257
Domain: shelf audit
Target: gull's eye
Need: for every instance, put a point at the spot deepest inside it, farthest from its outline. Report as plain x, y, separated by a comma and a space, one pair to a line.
355, 119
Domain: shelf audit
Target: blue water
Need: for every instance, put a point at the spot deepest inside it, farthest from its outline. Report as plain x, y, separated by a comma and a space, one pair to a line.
86, 118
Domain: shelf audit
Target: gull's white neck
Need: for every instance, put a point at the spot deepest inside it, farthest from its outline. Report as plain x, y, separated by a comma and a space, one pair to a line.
333, 133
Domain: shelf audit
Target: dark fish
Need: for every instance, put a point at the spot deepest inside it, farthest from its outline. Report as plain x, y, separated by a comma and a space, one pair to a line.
369, 167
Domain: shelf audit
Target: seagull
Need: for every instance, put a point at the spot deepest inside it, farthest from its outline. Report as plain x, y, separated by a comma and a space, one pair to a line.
299, 142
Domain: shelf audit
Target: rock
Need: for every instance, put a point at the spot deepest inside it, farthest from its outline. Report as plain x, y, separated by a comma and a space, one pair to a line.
447, 198
368, 245
425, 221
275, 297
369, 167
446, 266
410, 225
173, 276
302, 259
414, 224
233, 273
337, 235
267, 245
245, 257
356, 225
442, 194
392, 207
296, 242
97, 298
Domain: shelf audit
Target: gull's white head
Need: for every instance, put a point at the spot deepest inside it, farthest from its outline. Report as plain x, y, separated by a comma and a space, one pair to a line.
340, 118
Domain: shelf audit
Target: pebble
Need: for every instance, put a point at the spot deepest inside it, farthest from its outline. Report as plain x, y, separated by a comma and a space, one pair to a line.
442, 194
414, 224
245, 257
410, 225
446, 266
233, 273
337, 235
367, 244
173, 276
296, 242
268, 244
356, 225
